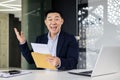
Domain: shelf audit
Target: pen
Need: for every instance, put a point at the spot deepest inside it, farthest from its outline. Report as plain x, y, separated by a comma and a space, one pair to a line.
11, 72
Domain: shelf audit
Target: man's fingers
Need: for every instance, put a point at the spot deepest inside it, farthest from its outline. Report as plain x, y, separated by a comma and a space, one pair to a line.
52, 60
49, 59
16, 31
22, 34
19, 36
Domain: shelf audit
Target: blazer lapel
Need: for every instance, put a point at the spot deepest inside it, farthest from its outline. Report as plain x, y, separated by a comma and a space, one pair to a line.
60, 43
46, 39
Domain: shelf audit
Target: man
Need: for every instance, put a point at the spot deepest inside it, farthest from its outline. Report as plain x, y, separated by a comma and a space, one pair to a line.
62, 46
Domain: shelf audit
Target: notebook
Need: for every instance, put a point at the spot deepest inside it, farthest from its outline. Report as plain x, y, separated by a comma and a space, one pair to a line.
108, 62
13, 73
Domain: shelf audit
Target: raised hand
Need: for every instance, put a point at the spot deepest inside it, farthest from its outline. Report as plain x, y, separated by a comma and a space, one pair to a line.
19, 36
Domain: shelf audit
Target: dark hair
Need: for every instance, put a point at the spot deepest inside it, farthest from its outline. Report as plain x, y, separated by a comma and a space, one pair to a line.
53, 11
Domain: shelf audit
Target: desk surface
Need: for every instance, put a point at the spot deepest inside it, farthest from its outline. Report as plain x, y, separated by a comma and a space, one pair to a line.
59, 75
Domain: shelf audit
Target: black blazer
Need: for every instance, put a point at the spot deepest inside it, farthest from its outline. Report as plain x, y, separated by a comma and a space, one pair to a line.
67, 50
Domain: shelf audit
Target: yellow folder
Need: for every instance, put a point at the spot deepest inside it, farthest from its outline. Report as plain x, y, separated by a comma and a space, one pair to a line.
41, 62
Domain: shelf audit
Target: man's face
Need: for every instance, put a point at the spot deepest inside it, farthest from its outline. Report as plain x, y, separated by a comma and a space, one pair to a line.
54, 22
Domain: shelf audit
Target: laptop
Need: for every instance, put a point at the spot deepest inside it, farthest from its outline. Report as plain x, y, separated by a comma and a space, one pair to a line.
108, 62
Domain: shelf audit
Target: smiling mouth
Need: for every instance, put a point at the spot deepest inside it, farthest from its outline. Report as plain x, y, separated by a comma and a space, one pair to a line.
53, 28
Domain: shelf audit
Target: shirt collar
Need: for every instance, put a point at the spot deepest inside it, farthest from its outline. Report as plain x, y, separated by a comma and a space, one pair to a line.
49, 38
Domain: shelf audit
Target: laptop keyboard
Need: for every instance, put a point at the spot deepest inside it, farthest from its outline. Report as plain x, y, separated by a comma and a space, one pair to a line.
85, 73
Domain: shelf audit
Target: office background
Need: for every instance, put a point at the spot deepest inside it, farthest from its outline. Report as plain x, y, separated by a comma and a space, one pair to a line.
95, 23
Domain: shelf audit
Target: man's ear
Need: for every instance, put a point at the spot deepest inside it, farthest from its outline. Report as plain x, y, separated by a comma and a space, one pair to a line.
62, 21
45, 21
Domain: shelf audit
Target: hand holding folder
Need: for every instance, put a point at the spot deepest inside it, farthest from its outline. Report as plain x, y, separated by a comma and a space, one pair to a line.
41, 60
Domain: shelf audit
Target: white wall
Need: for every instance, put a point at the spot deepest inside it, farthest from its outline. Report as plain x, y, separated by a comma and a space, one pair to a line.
110, 35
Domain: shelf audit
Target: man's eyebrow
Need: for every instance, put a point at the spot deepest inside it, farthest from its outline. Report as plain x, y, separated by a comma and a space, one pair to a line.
55, 17
49, 17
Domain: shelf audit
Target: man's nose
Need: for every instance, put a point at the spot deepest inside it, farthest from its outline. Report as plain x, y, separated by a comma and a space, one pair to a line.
53, 22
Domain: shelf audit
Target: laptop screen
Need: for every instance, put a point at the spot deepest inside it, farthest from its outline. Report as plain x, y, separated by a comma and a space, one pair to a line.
108, 62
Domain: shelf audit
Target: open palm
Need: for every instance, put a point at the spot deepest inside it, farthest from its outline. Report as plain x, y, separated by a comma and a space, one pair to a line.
19, 36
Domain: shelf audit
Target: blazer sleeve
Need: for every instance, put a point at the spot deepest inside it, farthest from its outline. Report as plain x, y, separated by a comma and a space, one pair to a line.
26, 52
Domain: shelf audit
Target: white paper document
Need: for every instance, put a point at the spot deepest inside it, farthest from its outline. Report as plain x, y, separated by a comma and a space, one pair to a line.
40, 48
